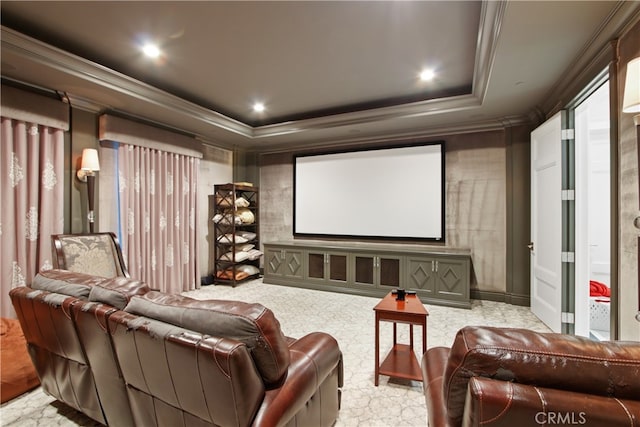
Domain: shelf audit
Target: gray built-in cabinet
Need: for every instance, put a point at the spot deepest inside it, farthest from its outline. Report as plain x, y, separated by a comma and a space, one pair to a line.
439, 275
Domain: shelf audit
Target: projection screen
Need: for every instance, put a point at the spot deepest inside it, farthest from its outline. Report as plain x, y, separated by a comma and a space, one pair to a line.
385, 193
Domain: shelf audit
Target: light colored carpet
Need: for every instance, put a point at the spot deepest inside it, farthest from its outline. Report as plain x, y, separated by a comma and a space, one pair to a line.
350, 319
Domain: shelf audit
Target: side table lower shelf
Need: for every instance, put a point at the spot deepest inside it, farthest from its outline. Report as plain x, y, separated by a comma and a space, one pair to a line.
401, 362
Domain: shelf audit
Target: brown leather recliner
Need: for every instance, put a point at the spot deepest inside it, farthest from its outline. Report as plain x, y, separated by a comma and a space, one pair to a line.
125, 356
516, 377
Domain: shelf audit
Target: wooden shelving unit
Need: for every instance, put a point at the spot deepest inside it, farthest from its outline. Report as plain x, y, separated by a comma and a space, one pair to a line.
236, 233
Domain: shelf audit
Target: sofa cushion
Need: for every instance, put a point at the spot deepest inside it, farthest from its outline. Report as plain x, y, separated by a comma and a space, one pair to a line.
65, 282
117, 291
252, 324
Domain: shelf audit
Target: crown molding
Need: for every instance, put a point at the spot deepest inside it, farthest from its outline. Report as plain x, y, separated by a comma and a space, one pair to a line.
82, 103
399, 137
60, 60
596, 54
415, 109
491, 17
65, 62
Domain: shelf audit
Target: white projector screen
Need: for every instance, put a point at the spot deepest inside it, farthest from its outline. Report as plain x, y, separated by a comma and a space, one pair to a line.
387, 193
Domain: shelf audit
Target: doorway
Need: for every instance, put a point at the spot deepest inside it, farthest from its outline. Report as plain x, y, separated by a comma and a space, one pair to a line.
571, 216
592, 217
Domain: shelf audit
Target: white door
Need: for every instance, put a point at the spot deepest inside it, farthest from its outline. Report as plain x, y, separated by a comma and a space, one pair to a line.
546, 222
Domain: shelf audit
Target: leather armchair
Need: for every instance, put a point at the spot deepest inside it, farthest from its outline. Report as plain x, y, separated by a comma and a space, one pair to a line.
516, 377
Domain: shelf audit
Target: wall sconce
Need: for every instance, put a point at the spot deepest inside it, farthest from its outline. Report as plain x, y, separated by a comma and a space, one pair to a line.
631, 99
87, 173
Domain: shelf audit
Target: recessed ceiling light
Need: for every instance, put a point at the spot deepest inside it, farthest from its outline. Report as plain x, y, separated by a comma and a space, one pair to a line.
427, 75
258, 107
151, 50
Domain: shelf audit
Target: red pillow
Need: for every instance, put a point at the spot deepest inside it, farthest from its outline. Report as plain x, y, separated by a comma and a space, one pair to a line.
597, 289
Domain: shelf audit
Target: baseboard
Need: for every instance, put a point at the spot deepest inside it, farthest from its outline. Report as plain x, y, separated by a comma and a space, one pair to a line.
514, 299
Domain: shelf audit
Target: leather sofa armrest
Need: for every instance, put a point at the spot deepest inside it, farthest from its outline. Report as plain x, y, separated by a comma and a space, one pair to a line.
313, 358
555, 361
434, 362
496, 403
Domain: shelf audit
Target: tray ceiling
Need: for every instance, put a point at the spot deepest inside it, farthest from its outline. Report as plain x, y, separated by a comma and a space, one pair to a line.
326, 71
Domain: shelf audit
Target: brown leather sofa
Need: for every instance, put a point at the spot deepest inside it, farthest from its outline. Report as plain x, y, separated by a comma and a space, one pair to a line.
128, 356
516, 377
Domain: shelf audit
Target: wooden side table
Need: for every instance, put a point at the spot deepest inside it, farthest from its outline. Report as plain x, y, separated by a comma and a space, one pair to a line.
401, 362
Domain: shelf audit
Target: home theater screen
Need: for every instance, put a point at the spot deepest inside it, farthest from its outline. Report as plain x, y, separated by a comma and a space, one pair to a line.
387, 193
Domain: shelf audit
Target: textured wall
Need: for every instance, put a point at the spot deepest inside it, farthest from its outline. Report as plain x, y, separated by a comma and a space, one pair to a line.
629, 328
276, 197
475, 202
83, 132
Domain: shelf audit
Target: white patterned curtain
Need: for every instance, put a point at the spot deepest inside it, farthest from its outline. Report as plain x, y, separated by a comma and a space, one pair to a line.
158, 216
31, 201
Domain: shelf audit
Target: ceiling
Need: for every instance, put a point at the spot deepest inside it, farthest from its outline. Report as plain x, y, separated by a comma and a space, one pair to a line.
328, 72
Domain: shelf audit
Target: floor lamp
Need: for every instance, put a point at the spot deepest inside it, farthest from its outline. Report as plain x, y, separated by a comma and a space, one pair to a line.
87, 173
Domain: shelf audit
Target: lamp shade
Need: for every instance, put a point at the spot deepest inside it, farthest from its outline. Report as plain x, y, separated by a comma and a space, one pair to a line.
90, 160
631, 100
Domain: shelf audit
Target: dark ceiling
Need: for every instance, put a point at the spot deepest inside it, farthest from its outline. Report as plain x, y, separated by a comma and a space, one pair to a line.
327, 72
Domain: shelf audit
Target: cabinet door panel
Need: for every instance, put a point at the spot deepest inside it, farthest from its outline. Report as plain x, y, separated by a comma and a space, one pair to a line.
316, 265
390, 272
452, 279
364, 270
421, 275
338, 268
273, 261
292, 266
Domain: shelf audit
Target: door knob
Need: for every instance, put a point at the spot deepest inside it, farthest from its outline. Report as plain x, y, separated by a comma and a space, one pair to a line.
530, 246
